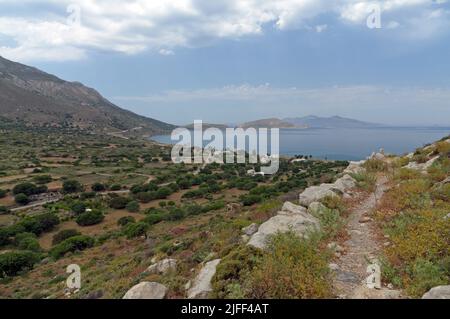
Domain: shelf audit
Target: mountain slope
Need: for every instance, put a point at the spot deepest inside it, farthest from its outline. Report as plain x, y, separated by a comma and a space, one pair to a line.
40, 99
268, 123
329, 122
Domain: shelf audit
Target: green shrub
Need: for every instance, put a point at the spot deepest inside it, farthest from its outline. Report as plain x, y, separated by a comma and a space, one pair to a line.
134, 230
98, 187
27, 241
375, 165
78, 208
133, 207
119, 202
29, 189
37, 224
12, 263
123, 221
115, 187
22, 199
365, 180
292, 268
77, 243
64, 234
3, 193
4, 237
42, 179
90, 218
249, 200
155, 218
72, 186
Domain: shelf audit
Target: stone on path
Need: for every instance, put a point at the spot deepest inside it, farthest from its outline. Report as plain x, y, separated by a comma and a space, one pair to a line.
146, 290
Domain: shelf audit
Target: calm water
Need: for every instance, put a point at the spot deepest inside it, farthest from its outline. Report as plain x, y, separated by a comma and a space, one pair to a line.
350, 144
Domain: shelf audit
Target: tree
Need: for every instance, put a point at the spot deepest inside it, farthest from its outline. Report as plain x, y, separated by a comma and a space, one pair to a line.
72, 186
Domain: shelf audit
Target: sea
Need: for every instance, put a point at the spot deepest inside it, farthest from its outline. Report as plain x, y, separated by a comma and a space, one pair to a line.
349, 143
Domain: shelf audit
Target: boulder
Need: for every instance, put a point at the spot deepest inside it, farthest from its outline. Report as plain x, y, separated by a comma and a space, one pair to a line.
422, 167
250, 230
201, 287
345, 183
354, 168
317, 208
162, 266
440, 292
288, 207
316, 193
300, 223
146, 290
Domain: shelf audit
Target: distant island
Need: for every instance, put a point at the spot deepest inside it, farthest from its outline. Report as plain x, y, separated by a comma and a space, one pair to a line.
313, 121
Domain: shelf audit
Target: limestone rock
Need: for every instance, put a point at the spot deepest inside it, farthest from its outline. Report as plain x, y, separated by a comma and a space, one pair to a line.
201, 287
300, 223
354, 168
440, 292
288, 207
162, 267
250, 230
316, 193
146, 290
345, 183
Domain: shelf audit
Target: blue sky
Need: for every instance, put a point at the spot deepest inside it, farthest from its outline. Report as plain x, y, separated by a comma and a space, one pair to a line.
233, 61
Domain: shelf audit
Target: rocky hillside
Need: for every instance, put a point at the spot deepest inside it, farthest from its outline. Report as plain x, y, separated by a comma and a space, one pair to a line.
36, 98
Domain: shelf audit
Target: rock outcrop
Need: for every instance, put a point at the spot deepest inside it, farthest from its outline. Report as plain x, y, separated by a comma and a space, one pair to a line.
162, 267
250, 230
316, 193
317, 209
422, 167
146, 290
293, 218
440, 292
201, 286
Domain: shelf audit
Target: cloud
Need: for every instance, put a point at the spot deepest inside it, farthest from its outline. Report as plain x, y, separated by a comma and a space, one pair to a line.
134, 26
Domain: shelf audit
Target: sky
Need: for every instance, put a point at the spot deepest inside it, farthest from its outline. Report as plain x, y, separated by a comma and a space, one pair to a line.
231, 61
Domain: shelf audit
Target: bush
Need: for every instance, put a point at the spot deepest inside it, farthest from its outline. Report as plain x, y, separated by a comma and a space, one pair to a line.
119, 202
365, 180
72, 186
3, 193
78, 208
77, 243
29, 189
249, 200
375, 165
37, 224
90, 218
22, 199
123, 221
11, 263
64, 234
115, 187
42, 179
98, 187
134, 230
292, 268
3, 209
155, 218
163, 193
27, 241
133, 207
4, 237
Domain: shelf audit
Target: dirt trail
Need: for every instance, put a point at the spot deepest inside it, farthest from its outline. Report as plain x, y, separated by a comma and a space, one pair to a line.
361, 250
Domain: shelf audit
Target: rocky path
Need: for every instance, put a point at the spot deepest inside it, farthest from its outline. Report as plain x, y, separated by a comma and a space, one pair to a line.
360, 251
